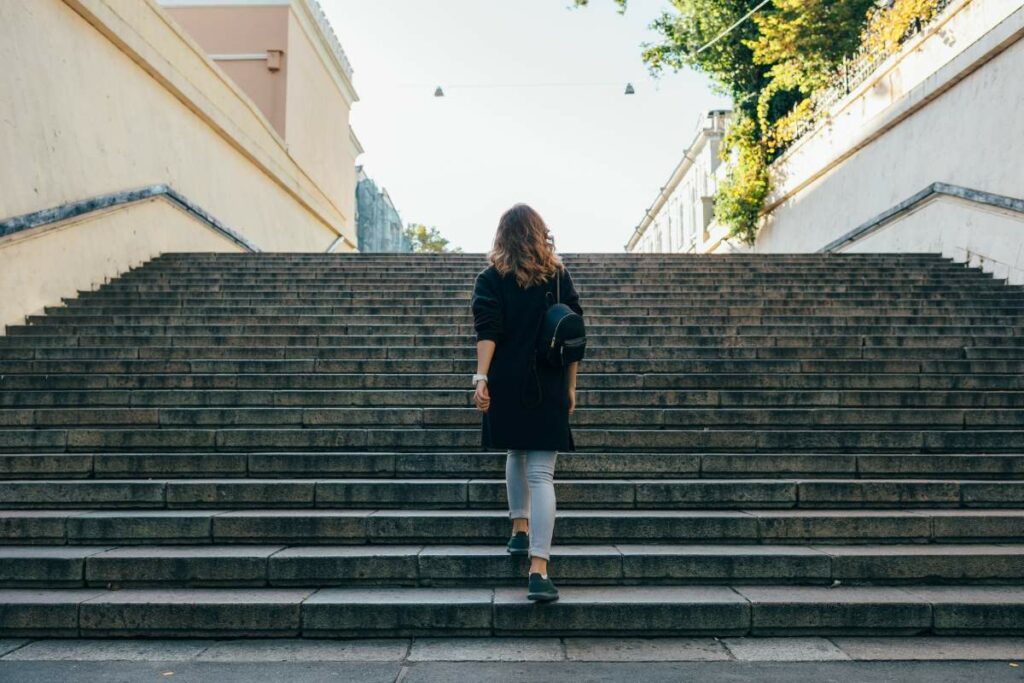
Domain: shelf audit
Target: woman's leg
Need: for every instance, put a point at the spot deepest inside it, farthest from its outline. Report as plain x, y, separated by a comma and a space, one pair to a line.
540, 473
517, 489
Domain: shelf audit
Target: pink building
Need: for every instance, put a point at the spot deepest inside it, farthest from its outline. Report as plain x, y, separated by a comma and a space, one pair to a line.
286, 57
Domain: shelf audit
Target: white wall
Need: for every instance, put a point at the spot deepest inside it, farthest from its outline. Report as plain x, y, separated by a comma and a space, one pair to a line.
983, 237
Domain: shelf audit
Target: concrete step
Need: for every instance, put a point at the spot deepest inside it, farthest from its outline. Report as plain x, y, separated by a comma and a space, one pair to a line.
201, 353
936, 440
589, 277
454, 341
612, 416
86, 526
643, 334
491, 464
707, 297
474, 566
454, 493
94, 398
463, 367
616, 316
709, 292
724, 440
436, 382
756, 308
580, 610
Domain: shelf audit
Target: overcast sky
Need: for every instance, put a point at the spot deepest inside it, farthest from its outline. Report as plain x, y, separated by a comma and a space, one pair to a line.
585, 155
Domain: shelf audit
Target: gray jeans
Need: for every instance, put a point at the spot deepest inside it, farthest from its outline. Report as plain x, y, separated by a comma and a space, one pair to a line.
529, 478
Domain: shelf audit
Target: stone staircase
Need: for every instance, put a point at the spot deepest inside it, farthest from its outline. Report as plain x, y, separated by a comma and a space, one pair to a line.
283, 444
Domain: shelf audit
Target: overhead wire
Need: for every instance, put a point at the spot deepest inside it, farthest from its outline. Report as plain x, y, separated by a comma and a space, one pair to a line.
722, 34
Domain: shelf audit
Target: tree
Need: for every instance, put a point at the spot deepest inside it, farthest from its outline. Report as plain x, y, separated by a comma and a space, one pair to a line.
803, 42
427, 240
770, 64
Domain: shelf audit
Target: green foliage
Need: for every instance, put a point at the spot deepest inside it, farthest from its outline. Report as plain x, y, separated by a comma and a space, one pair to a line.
584, 3
887, 27
428, 240
741, 194
802, 42
770, 65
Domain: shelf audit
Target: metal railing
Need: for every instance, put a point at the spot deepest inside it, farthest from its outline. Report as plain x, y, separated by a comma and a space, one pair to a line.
81, 207
979, 197
857, 69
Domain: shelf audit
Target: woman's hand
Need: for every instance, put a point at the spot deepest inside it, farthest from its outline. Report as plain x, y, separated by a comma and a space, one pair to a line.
482, 396
573, 368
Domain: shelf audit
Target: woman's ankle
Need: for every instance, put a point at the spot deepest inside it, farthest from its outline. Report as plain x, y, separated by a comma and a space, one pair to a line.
520, 525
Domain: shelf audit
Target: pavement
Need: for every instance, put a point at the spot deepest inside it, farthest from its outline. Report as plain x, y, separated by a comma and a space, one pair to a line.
408, 660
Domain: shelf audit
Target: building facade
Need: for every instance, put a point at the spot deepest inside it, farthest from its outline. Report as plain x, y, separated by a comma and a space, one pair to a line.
679, 218
379, 226
285, 56
132, 131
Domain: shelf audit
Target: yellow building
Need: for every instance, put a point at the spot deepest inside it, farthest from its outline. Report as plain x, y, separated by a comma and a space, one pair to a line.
132, 129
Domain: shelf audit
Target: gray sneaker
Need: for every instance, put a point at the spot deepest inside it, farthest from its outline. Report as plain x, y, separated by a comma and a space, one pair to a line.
541, 589
519, 544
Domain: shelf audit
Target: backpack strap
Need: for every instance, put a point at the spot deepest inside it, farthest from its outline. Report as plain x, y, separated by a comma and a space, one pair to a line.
532, 370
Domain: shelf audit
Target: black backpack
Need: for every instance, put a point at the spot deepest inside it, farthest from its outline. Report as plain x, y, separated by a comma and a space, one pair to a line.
560, 340
562, 337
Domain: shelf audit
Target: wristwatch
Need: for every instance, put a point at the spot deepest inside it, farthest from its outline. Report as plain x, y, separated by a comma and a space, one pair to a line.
477, 377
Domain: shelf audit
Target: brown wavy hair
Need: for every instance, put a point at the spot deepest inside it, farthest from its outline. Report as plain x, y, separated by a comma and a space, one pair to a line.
525, 247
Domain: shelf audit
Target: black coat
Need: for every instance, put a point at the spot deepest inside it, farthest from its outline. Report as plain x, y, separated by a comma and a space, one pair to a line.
509, 314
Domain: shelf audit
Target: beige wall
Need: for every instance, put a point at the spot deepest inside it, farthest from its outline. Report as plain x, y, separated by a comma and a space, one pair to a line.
117, 97
317, 129
236, 30
38, 267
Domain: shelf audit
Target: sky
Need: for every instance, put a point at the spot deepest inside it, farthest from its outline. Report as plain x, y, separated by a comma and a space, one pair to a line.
533, 112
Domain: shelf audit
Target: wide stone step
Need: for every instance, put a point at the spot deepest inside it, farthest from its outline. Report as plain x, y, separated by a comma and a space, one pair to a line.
591, 282
809, 291
93, 399
453, 341
661, 382
800, 302
580, 610
571, 465
81, 317
200, 308
94, 367
199, 354
462, 526
474, 566
453, 493
611, 315
641, 333
615, 416
709, 300
935, 440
